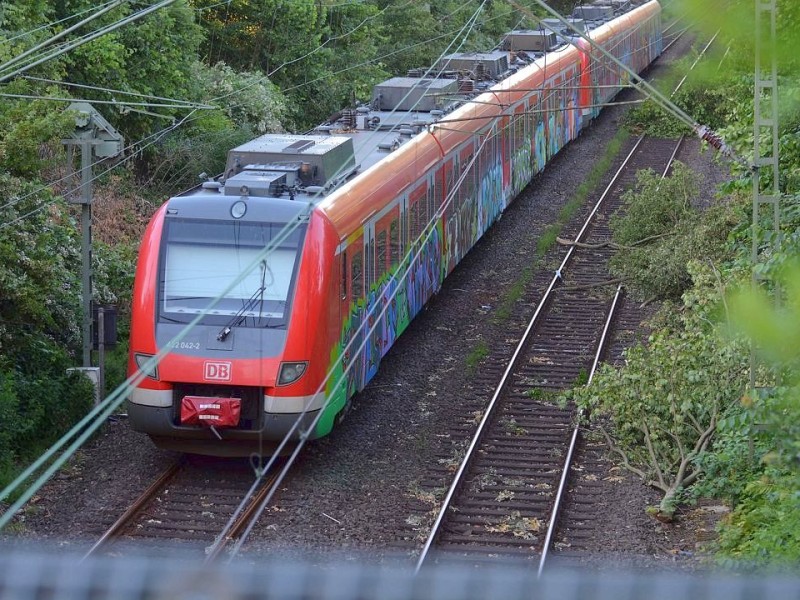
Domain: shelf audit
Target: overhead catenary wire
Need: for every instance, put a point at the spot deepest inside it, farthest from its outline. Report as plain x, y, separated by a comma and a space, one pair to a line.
103, 10
189, 118
72, 45
112, 91
97, 416
58, 22
111, 102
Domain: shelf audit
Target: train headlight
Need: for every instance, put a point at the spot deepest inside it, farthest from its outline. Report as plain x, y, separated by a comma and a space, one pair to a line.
142, 360
238, 209
291, 372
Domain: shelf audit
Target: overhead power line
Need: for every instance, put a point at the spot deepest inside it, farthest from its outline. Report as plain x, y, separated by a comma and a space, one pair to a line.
704, 132
54, 23
61, 34
100, 32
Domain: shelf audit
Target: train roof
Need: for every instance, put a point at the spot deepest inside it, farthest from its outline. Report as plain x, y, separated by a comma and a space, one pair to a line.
322, 167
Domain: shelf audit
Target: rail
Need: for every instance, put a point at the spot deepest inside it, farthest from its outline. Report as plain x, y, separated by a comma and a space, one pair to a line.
451, 492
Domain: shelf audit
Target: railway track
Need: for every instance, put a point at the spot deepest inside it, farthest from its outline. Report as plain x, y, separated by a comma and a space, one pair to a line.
200, 502
510, 471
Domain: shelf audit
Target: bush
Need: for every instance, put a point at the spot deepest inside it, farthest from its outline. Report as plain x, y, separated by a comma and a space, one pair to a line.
36, 410
659, 231
665, 403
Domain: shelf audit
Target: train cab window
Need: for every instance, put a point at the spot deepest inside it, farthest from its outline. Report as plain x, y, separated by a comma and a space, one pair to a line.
357, 275
220, 270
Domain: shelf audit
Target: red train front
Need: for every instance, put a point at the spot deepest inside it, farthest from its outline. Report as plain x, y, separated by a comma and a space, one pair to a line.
233, 280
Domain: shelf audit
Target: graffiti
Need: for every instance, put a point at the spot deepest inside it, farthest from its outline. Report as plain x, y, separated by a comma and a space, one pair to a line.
540, 148
573, 117
386, 312
521, 166
490, 196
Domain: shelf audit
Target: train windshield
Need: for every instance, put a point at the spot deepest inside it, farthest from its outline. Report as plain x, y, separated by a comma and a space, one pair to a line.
238, 273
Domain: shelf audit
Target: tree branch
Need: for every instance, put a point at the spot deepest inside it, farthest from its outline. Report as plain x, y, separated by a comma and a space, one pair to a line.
653, 458
624, 457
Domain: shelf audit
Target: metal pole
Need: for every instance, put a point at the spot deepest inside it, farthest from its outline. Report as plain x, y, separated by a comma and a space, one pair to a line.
86, 249
101, 355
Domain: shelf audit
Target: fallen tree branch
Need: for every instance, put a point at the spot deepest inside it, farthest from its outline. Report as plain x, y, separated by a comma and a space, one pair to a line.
614, 245
593, 285
624, 457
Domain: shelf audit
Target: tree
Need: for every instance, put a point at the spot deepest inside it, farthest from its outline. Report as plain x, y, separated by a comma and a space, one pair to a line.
660, 411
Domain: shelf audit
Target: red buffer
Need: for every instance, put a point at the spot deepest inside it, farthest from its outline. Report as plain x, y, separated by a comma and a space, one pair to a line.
210, 412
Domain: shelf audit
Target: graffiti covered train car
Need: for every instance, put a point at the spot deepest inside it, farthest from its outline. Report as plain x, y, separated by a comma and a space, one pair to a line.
270, 295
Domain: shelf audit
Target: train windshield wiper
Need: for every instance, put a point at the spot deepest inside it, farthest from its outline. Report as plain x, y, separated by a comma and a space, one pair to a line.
240, 316
258, 296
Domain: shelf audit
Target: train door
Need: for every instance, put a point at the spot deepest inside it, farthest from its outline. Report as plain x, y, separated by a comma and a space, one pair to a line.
433, 241
505, 140
403, 229
385, 285
353, 313
451, 169
369, 256
371, 303
417, 222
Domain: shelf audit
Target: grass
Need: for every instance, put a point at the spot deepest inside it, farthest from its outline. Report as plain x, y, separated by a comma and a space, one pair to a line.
476, 355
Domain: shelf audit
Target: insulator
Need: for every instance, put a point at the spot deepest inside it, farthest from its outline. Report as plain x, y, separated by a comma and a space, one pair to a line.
348, 118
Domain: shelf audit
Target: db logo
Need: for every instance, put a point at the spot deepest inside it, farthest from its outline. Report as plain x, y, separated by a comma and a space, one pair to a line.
217, 371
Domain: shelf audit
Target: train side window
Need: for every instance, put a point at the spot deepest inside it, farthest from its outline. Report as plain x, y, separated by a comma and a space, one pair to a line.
413, 229
438, 189
395, 249
357, 275
380, 250
344, 276
422, 203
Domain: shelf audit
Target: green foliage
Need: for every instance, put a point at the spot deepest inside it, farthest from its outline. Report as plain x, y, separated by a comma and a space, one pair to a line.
30, 131
660, 230
154, 55
35, 411
249, 104
39, 323
666, 401
476, 355
39, 262
650, 118
734, 20
248, 99
764, 528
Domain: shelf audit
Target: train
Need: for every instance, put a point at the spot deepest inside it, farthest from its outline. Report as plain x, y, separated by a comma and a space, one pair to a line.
270, 294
